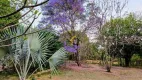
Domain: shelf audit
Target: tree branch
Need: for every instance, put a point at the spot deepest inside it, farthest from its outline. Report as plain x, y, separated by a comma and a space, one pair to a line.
7, 25
37, 4
24, 6
29, 25
23, 35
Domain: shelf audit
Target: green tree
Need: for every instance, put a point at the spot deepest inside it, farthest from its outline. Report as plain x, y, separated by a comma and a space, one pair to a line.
123, 37
5, 8
122, 27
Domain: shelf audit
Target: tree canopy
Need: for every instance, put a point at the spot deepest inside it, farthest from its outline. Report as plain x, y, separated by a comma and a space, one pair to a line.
6, 8
123, 37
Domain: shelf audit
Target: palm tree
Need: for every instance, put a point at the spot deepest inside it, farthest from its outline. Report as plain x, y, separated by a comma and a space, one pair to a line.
33, 50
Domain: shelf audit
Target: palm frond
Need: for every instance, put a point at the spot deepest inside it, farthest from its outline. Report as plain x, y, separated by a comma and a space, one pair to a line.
57, 59
40, 44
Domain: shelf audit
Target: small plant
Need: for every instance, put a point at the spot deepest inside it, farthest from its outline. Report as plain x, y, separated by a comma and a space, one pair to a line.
33, 78
108, 63
108, 68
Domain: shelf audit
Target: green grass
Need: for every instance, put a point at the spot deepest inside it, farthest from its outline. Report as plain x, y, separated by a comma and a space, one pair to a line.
8, 77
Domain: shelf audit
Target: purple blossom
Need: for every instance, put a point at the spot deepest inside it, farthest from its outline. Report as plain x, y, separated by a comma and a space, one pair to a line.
61, 19
72, 49
56, 11
60, 31
55, 2
76, 47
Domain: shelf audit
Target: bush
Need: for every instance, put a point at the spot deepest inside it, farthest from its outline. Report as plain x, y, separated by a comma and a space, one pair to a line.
135, 57
135, 60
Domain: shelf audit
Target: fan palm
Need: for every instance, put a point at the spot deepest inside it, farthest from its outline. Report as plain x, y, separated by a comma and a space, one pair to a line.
33, 50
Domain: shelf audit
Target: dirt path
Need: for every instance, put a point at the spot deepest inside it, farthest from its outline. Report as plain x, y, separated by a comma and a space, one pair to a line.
96, 72
116, 71
92, 72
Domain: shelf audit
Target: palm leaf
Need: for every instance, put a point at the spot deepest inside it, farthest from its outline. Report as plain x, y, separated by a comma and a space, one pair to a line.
57, 59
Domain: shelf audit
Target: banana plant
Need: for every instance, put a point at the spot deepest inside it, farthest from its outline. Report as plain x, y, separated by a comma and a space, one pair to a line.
34, 50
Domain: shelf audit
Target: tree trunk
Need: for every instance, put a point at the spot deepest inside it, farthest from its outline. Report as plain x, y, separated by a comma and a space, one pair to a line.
120, 62
3, 66
22, 78
77, 59
108, 68
127, 61
77, 54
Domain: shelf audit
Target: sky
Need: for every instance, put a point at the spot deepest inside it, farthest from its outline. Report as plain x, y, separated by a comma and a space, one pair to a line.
134, 5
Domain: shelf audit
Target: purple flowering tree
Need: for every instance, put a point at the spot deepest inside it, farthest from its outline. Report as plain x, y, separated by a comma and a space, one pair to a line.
64, 15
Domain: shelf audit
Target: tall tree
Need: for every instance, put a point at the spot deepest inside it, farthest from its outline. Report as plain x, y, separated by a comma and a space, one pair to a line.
65, 14
107, 10
124, 37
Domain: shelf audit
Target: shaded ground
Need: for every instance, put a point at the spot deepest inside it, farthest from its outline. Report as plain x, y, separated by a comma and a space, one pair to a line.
95, 72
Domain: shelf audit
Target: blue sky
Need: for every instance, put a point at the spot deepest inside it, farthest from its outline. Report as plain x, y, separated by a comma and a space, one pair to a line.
134, 5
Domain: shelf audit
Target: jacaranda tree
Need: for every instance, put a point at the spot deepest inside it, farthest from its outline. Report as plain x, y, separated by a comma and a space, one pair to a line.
64, 15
